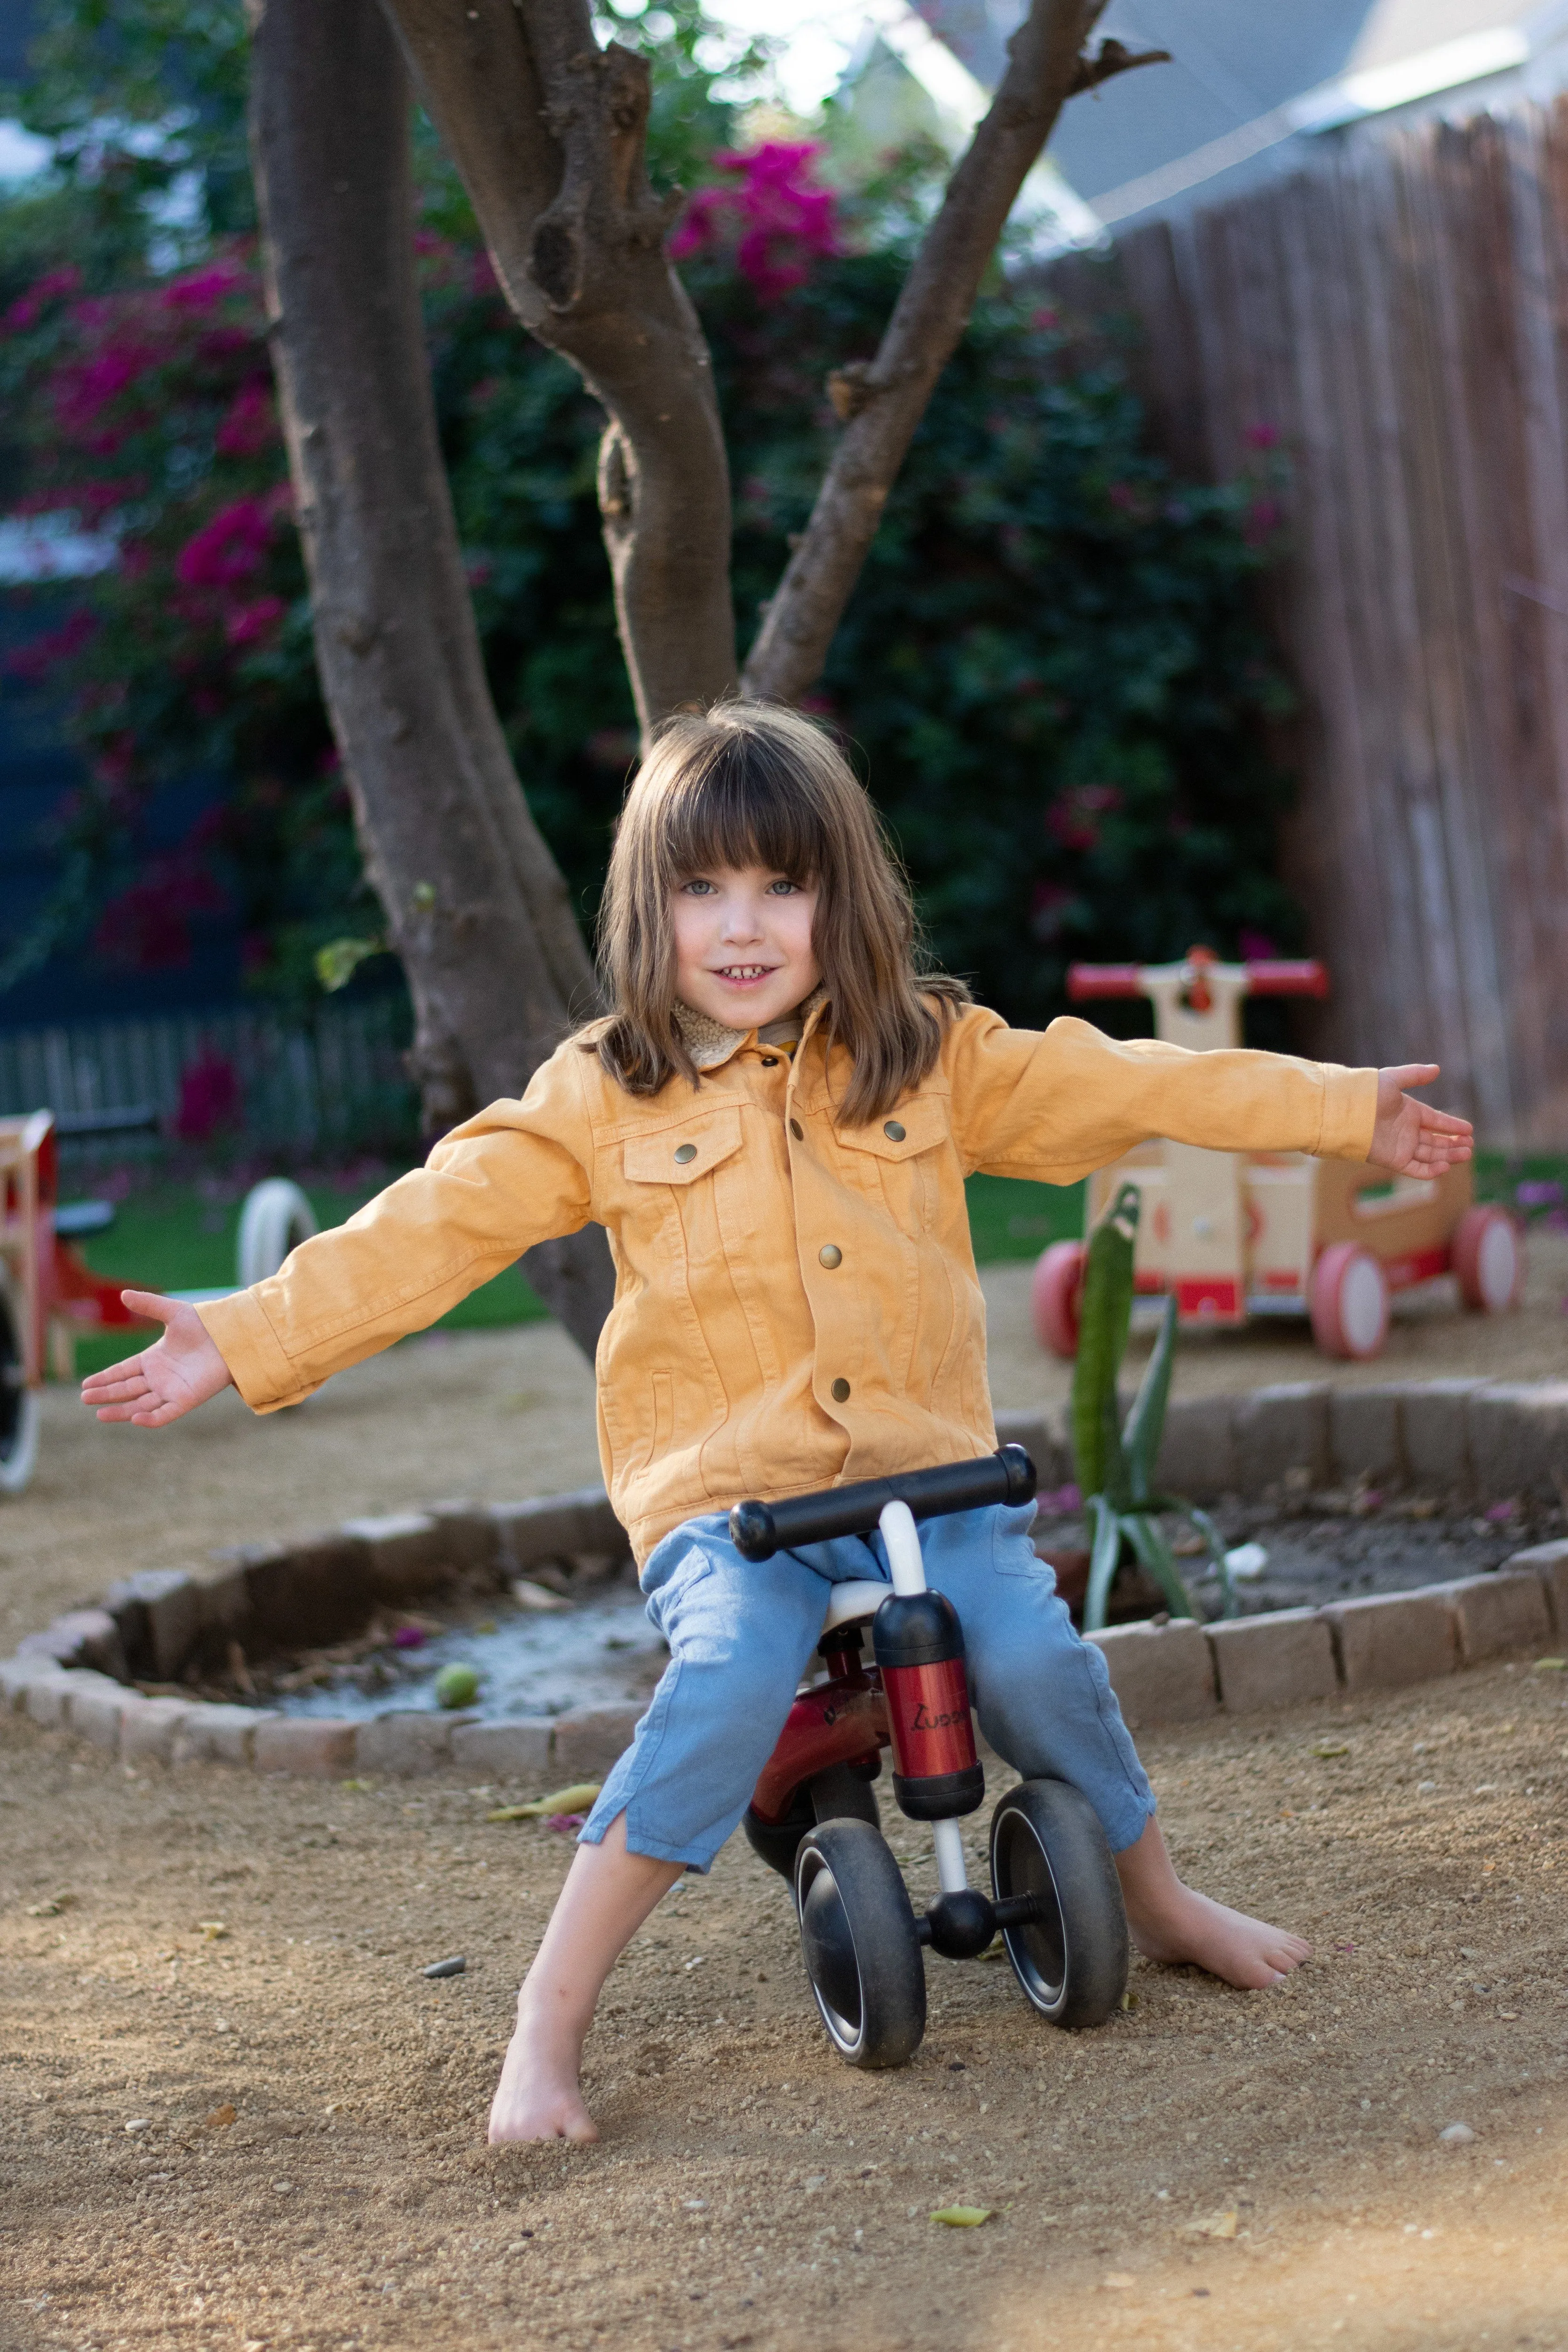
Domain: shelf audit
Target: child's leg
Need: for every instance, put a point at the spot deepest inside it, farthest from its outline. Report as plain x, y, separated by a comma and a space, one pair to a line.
608, 1894
740, 1635
1045, 1701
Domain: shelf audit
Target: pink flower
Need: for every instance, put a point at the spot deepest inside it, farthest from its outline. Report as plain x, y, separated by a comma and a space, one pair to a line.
204, 288
248, 623
1074, 819
1262, 437
249, 425
230, 548
52, 287
784, 223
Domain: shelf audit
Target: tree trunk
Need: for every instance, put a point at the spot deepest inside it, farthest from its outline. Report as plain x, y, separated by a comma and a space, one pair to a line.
548, 131
474, 905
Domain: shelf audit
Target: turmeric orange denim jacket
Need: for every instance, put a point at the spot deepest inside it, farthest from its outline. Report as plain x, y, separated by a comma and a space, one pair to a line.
796, 1301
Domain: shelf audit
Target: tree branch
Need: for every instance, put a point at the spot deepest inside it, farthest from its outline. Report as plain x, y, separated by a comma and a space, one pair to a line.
1111, 59
883, 401
548, 133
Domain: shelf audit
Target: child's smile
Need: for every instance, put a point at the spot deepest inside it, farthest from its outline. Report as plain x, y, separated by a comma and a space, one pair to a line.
743, 944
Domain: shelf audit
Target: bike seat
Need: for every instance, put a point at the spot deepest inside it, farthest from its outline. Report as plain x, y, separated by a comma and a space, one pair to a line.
861, 1597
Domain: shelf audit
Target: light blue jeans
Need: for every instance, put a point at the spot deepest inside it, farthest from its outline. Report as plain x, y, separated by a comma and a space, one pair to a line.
741, 1634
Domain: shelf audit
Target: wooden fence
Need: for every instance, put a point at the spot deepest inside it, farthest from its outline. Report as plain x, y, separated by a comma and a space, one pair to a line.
1398, 314
333, 1088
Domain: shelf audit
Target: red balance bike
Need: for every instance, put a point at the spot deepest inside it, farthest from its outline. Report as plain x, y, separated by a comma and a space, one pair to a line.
813, 1816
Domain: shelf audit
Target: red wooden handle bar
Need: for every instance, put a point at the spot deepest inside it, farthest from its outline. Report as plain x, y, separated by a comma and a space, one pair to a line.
1307, 978
1086, 980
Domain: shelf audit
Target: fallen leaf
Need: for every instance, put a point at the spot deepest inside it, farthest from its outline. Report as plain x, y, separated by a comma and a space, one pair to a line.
1326, 1747
1551, 1666
221, 2117
213, 1930
1118, 2278
1214, 2225
52, 1908
575, 1800
962, 2217
365, 1788
1129, 2001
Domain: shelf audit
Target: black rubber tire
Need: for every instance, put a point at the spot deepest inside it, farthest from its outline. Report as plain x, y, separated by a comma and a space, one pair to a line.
859, 1942
841, 1793
1045, 1840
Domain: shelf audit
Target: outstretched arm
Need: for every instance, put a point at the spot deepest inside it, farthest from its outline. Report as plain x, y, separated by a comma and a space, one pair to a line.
1410, 1138
171, 1377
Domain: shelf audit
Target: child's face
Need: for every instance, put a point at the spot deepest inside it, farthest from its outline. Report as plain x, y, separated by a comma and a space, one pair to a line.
743, 944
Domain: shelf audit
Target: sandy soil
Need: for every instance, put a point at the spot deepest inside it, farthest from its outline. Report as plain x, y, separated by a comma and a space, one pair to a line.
750, 2189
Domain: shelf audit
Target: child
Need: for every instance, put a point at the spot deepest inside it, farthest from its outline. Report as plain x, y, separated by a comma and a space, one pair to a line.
774, 1125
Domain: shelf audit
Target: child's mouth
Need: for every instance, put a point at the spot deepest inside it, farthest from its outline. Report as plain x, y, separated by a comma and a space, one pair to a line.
743, 972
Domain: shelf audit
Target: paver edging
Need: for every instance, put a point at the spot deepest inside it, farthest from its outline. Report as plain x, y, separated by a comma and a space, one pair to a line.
160, 1622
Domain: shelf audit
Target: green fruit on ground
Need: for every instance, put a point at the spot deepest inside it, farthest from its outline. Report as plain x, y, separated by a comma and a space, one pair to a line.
456, 1686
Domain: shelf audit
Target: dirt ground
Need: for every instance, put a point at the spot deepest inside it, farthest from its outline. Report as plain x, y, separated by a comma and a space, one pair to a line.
1212, 2169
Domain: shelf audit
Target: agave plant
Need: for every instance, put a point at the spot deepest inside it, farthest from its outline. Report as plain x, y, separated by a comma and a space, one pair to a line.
1117, 1464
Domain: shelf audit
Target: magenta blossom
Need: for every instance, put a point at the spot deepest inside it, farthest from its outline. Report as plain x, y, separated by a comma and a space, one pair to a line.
784, 223
28, 308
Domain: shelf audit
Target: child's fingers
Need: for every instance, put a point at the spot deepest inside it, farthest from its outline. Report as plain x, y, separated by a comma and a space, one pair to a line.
1443, 1122
1411, 1074
105, 1390
99, 1386
151, 1305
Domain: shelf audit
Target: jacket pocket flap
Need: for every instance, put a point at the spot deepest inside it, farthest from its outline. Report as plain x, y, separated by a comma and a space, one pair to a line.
914, 1127
679, 1155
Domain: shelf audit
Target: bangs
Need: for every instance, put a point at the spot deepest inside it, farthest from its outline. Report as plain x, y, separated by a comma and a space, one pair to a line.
744, 805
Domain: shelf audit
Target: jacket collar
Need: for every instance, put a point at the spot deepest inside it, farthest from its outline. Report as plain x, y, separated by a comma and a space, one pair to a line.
709, 1043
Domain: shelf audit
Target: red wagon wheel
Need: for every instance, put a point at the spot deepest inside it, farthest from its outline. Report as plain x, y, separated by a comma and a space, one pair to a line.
1054, 1296
1349, 1302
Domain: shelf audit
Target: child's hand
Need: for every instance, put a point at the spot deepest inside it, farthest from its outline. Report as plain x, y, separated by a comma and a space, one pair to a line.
178, 1372
1410, 1138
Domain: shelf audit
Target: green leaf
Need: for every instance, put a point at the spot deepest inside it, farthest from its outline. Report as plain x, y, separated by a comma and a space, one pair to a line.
1229, 1605
1156, 1558
1102, 1563
1146, 1421
1104, 1321
340, 959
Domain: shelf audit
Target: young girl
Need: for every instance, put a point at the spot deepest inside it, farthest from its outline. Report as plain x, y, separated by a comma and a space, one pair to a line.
774, 1125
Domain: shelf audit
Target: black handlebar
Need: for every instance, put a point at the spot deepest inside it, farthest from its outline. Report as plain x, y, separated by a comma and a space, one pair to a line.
759, 1529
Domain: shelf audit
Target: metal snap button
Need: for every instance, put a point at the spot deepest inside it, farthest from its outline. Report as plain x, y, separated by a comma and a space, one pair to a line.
892, 1129
797, 1131
840, 1392
684, 1151
830, 1255
770, 1061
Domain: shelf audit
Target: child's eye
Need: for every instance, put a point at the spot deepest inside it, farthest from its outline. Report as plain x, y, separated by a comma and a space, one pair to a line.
696, 887
783, 886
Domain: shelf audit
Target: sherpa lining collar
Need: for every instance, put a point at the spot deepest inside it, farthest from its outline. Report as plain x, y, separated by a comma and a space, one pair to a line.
709, 1043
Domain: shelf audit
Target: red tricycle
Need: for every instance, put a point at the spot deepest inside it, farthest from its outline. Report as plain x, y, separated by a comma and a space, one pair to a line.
1055, 1898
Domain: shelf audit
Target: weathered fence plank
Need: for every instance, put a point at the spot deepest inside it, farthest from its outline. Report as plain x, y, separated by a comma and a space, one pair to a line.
1397, 311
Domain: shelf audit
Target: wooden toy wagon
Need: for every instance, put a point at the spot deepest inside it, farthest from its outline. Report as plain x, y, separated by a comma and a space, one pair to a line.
1237, 1235
48, 1291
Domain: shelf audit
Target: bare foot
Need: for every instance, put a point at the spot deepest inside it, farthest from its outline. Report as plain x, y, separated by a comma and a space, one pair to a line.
537, 2095
1169, 1922
1243, 1951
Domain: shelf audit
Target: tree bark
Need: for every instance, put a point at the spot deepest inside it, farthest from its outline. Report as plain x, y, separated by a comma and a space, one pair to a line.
548, 132
884, 400
474, 905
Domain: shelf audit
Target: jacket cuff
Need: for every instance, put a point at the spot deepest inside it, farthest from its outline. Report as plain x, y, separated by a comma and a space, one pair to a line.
239, 1330
1350, 1113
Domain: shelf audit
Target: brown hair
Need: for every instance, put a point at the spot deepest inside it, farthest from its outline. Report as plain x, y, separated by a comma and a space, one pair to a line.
753, 783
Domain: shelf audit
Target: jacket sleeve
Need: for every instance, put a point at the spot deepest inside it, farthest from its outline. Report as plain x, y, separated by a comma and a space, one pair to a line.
1056, 1104
518, 1174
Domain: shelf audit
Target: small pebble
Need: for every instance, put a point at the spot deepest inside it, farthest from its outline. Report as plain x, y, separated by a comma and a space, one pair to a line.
1455, 2134
452, 1967
140, 2124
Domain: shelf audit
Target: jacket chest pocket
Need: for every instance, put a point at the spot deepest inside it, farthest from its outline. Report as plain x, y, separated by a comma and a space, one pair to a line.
898, 1160
696, 1172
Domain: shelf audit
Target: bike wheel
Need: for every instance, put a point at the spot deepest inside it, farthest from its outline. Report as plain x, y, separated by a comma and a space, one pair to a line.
1071, 1958
859, 1942
19, 1409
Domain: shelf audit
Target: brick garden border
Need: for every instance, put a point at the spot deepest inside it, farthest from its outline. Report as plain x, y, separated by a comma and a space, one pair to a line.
1478, 1440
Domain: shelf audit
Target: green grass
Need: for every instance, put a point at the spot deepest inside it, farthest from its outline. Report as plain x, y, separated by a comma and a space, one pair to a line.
171, 1237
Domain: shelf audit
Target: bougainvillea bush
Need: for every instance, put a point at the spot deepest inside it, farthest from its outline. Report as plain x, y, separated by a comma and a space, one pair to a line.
1050, 673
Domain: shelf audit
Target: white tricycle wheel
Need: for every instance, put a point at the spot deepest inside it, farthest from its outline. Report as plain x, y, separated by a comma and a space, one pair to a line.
276, 1218
1488, 1259
1349, 1302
